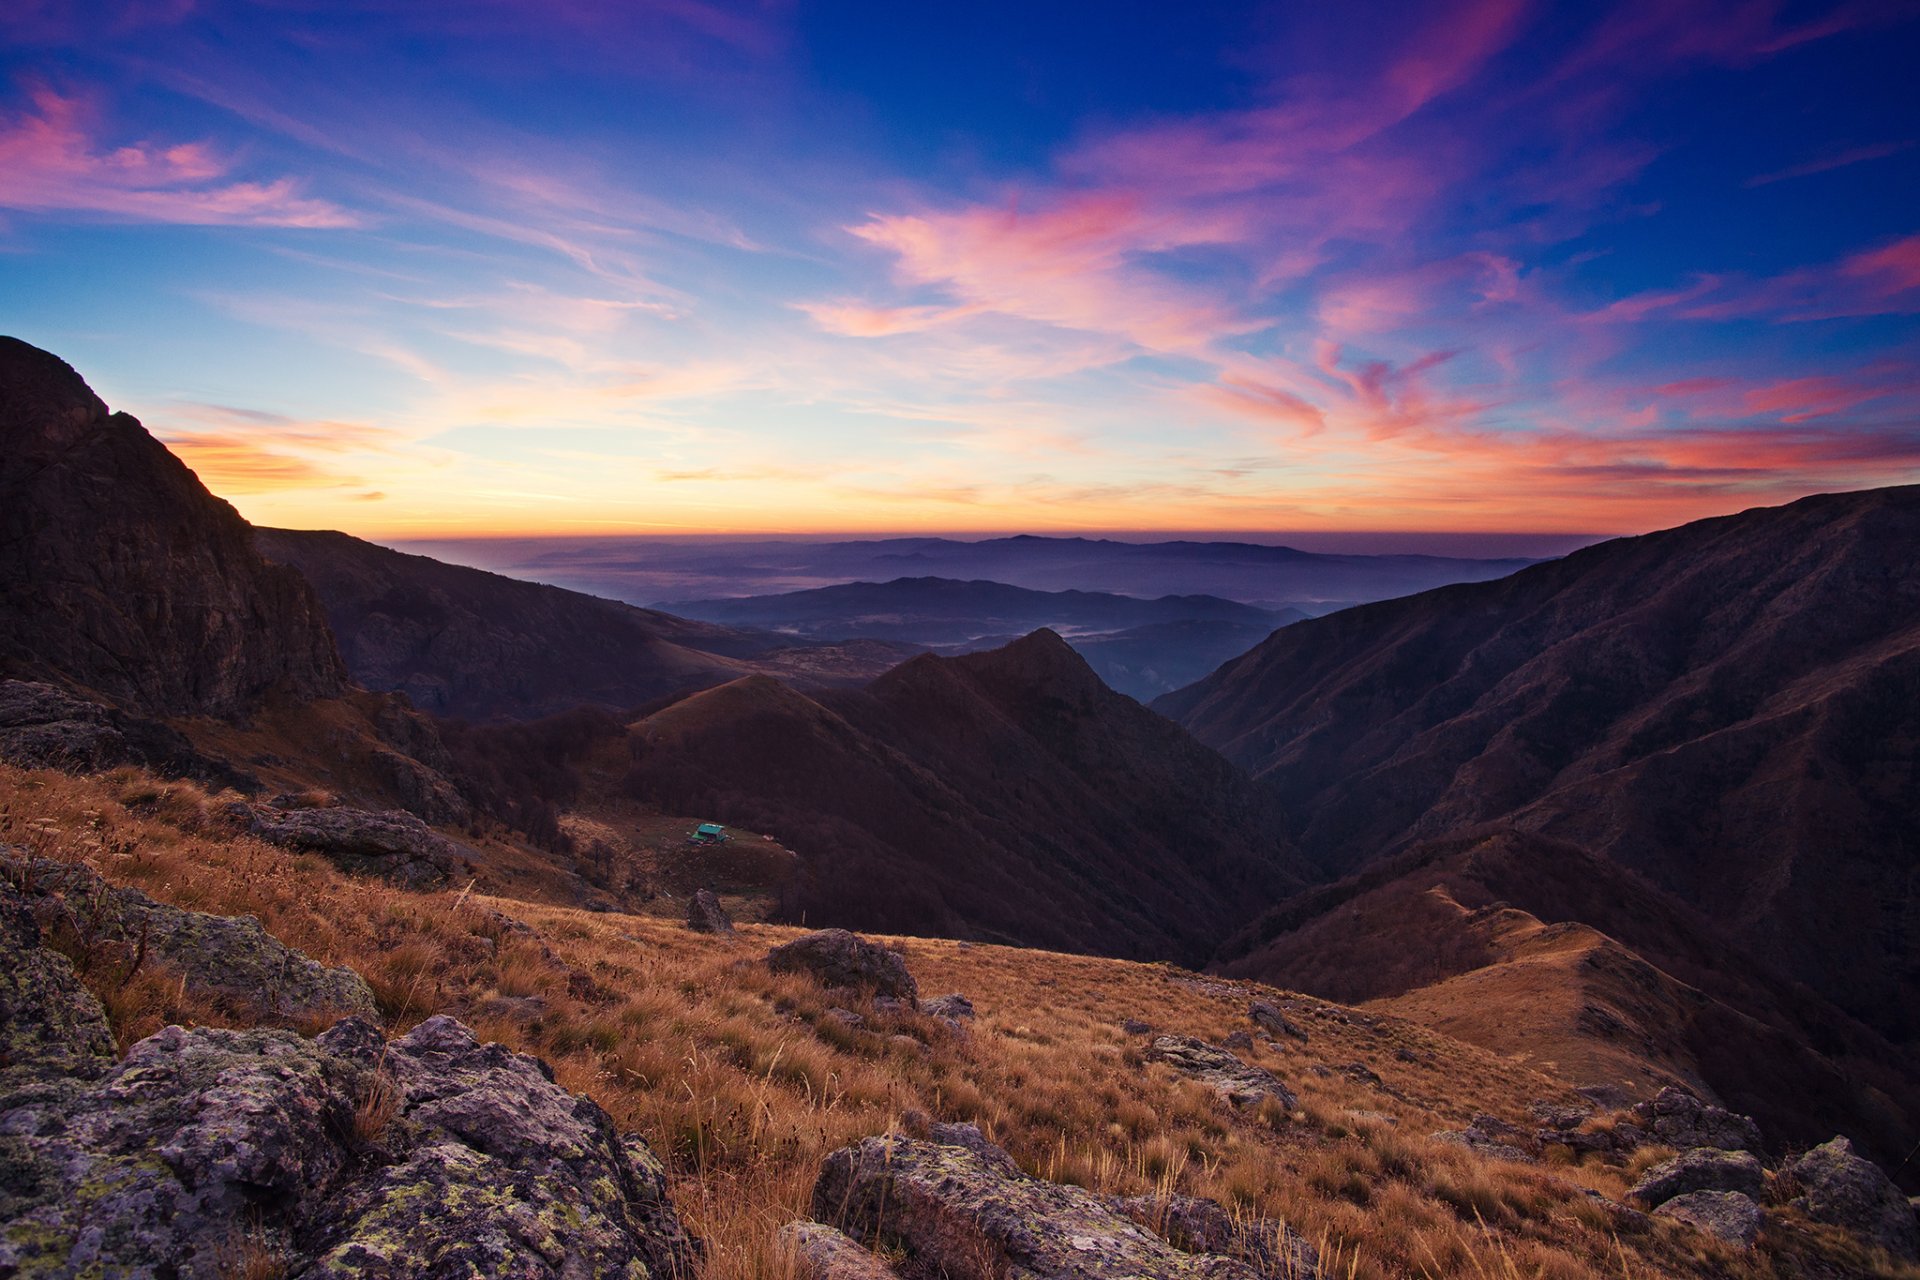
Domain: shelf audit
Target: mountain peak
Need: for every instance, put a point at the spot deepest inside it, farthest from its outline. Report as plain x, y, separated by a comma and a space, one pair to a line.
43, 401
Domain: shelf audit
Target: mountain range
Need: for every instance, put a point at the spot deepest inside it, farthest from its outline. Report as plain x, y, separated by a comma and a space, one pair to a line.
1644, 814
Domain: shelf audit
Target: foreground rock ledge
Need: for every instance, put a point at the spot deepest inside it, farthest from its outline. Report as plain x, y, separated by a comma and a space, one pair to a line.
204, 1152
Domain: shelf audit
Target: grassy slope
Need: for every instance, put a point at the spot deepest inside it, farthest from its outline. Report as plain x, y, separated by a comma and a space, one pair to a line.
742, 1082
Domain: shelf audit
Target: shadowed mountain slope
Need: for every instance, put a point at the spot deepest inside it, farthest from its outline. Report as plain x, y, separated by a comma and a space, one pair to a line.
465, 642
1007, 795
121, 574
1730, 708
1537, 948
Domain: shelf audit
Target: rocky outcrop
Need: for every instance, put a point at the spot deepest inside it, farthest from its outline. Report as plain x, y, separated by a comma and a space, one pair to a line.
706, 915
1488, 1136
51, 1027
1268, 1016
825, 1253
45, 727
231, 958
339, 1157
1240, 1083
1841, 1188
1678, 1119
1728, 1216
1702, 1169
1272, 1249
948, 1210
837, 958
121, 574
393, 845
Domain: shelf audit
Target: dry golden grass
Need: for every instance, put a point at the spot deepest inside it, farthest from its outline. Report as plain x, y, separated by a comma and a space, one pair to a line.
741, 1080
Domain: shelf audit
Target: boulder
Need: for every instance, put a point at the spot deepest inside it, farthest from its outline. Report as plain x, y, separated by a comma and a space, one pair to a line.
952, 1009
1479, 1141
339, 1157
952, 1211
828, 1254
1845, 1190
1135, 1027
1701, 1169
706, 915
1240, 1083
393, 845
968, 1135
1728, 1216
231, 958
1272, 1249
43, 726
1678, 1119
837, 958
1265, 1013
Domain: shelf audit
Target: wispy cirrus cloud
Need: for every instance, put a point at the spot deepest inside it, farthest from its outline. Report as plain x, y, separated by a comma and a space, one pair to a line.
55, 162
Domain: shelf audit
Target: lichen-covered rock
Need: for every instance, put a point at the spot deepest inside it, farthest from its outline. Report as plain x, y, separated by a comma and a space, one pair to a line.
1845, 1190
954, 1010
1266, 1014
1274, 1250
51, 1027
837, 958
393, 845
1240, 1083
706, 915
825, 1253
1678, 1119
952, 1211
1701, 1169
343, 1157
230, 957
1728, 1216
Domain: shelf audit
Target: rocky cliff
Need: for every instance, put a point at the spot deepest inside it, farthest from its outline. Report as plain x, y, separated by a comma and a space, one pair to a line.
121, 574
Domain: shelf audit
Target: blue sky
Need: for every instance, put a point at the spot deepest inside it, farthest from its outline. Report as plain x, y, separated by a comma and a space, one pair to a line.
590, 267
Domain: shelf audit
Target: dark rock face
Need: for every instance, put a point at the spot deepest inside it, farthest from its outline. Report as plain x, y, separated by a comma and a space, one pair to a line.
706, 915
1702, 1169
1841, 1188
841, 959
1239, 1083
952, 1211
339, 1157
1728, 1216
1678, 1119
120, 573
228, 956
394, 845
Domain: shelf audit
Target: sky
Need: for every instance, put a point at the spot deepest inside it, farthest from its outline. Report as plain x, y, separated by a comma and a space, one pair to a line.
592, 267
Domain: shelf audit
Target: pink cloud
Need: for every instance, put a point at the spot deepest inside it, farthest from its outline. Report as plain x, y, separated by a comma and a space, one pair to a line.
1075, 264
53, 162
1827, 163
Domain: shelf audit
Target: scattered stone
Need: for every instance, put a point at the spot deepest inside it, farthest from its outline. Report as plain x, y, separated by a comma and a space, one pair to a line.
706, 915
1489, 1135
1843, 1189
1701, 1169
339, 1157
1609, 1097
954, 1011
846, 1017
951, 1211
1678, 1119
1273, 1249
1266, 1014
1239, 1041
837, 958
828, 1254
891, 1005
1558, 1116
231, 958
393, 845
1135, 1027
1238, 1082
1373, 1117
1728, 1216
